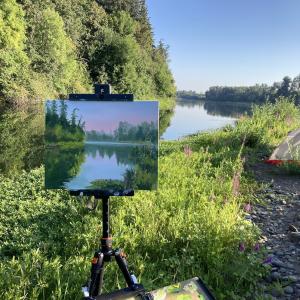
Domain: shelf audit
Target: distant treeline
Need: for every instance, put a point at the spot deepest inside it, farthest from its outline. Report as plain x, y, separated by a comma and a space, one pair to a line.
288, 87
50, 48
143, 132
190, 95
61, 129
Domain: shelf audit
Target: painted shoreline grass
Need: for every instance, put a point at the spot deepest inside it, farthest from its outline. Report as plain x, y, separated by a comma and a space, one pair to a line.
193, 226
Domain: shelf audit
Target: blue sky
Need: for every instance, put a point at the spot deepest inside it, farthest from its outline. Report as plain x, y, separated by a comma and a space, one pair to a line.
228, 42
107, 115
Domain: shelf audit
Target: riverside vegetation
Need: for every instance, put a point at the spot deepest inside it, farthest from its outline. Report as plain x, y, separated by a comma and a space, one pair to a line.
194, 225
259, 93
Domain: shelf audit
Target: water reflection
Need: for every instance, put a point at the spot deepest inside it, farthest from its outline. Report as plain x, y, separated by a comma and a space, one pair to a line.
228, 109
21, 139
165, 117
195, 116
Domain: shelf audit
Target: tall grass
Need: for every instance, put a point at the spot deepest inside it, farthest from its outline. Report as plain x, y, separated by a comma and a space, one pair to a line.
192, 226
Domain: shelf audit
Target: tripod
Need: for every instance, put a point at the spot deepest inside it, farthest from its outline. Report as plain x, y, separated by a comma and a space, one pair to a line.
93, 291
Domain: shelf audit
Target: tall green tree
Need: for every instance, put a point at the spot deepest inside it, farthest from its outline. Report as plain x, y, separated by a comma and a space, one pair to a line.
14, 62
285, 86
164, 82
54, 54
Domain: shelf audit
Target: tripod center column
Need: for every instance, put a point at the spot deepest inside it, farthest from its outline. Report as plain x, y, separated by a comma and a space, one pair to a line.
106, 240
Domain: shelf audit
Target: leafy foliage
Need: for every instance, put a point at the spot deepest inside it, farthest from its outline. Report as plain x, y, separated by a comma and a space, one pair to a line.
14, 61
54, 54
190, 95
64, 45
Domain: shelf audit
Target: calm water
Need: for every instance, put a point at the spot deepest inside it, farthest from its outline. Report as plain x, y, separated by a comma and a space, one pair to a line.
102, 165
194, 116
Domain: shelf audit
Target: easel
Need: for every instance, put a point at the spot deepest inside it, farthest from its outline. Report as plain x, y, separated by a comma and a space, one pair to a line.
106, 252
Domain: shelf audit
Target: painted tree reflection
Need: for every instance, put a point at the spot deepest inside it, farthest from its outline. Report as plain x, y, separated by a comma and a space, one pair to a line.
62, 165
141, 162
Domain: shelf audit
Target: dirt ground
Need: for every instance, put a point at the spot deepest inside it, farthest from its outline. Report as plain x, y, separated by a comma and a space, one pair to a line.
271, 175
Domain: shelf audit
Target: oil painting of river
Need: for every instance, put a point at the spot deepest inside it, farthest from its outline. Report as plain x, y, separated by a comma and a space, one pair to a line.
101, 145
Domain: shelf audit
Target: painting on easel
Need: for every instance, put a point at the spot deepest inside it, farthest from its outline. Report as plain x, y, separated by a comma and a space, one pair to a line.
101, 145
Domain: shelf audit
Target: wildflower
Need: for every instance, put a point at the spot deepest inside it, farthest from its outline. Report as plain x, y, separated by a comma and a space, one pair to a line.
268, 260
187, 150
247, 207
242, 247
256, 247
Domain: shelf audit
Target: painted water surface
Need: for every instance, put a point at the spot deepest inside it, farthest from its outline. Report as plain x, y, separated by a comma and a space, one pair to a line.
101, 145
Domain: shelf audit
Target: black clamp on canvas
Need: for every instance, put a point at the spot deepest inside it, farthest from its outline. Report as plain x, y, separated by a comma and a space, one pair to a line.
102, 92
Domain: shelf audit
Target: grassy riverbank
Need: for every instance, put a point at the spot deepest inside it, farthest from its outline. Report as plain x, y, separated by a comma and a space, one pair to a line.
192, 226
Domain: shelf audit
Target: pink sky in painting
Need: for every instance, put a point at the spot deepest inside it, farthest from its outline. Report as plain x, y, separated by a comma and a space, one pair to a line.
105, 116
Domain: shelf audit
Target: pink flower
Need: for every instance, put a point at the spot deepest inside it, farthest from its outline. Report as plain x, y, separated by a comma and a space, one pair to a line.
187, 150
247, 207
242, 247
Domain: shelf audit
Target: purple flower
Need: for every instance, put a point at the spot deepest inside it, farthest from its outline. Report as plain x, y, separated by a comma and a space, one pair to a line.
187, 150
242, 247
268, 260
256, 247
247, 207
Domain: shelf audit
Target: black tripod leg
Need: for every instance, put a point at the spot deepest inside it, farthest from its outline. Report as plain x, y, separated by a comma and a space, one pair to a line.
101, 275
123, 267
97, 274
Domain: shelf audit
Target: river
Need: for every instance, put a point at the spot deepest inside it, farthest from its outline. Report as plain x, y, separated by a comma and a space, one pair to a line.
197, 116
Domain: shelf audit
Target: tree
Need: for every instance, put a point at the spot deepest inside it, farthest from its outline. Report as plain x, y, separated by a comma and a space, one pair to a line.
53, 53
64, 45
295, 87
285, 86
63, 113
164, 82
14, 62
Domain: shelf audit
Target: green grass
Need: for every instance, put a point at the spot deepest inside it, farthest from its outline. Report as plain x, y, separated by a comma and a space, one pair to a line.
290, 167
192, 226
